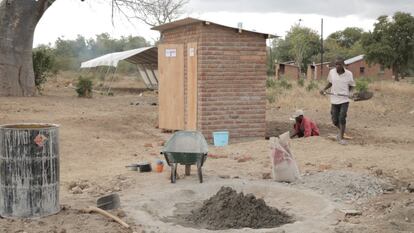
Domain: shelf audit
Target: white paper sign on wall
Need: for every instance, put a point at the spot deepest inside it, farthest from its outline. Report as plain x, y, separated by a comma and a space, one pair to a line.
170, 52
192, 52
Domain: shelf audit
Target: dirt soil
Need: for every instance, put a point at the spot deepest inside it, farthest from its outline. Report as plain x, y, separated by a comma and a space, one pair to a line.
100, 136
228, 209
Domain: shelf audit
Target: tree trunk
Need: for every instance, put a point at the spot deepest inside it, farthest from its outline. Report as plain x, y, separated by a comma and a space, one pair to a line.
18, 20
395, 70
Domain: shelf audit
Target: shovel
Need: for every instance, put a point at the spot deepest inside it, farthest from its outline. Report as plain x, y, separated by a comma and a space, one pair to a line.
358, 96
107, 202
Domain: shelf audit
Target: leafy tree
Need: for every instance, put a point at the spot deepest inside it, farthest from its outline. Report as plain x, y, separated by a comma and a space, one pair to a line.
332, 50
391, 43
270, 62
304, 43
68, 54
300, 45
281, 50
133, 42
346, 44
43, 65
18, 20
348, 37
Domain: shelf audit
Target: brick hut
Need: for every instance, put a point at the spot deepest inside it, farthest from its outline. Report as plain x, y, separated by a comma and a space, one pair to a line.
360, 68
212, 78
287, 70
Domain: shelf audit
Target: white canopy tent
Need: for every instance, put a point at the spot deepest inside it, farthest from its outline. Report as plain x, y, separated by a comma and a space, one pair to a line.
145, 59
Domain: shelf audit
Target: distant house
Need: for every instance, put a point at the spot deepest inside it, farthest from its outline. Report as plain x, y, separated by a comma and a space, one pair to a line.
287, 70
357, 65
360, 68
314, 70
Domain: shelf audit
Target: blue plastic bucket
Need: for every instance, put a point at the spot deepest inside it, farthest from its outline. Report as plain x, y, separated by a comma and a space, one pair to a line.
221, 138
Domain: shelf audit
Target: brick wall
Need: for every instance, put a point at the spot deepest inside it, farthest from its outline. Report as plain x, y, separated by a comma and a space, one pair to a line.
289, 72
373, 70
231, 78
310, 74
232, 82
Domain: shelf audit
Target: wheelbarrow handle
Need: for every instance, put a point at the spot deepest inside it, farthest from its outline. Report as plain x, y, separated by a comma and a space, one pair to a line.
166, 158
205, 155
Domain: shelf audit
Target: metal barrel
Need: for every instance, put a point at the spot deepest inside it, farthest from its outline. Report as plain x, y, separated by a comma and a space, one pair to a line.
29, 170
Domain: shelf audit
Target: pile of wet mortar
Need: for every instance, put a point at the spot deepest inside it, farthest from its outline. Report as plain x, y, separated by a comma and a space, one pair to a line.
228, 209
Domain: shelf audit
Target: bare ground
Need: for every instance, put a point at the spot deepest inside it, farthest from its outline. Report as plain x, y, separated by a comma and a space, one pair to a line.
99, 136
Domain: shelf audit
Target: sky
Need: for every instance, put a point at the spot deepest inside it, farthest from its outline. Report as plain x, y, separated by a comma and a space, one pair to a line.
69, 18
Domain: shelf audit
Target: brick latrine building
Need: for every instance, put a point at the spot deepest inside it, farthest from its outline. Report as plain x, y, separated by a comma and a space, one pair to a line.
212, 78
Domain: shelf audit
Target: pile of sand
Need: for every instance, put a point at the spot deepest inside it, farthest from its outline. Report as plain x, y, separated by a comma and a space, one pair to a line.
229, 209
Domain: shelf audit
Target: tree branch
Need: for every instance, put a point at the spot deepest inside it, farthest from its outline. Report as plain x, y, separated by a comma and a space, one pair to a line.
42, 6
151, 12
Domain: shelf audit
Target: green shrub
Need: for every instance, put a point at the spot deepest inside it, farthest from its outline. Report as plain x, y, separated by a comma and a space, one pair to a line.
301, 82
368, 79
361, 85
43, 66
84, 87
270, 82
270, 97
312, 86
283, 83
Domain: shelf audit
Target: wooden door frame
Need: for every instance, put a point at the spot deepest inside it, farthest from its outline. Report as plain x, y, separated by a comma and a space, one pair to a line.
192, 86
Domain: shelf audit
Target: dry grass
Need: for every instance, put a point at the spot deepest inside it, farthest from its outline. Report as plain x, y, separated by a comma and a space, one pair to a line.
393, 88
296, 97
120, 80
389, 96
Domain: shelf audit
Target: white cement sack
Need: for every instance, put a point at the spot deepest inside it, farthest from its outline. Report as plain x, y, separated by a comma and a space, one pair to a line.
284, 167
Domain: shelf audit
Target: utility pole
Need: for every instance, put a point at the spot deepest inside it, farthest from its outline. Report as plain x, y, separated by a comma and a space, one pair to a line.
321, 47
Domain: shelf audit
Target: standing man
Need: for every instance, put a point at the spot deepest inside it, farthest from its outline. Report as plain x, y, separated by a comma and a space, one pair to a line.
341, 82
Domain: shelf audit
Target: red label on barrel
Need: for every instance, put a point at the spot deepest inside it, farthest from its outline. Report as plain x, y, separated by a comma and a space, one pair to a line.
40, 140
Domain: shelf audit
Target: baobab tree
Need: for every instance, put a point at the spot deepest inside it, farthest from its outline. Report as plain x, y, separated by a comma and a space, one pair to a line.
18, 20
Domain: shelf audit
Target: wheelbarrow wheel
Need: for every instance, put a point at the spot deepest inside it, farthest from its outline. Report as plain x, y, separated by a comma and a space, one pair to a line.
199, 172
173, 172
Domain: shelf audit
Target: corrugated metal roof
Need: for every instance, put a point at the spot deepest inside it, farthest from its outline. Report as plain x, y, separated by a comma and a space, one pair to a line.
354, 59
189, 20
318, 64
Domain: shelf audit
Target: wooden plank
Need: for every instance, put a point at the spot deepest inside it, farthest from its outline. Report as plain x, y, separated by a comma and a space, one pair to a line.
192, 86
171, 86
